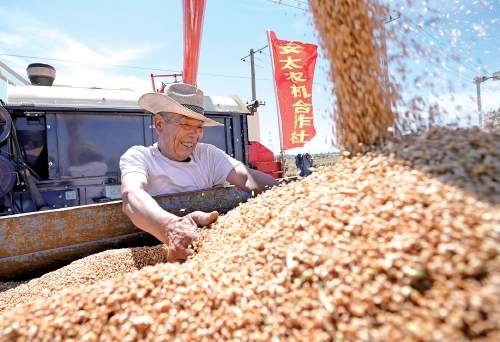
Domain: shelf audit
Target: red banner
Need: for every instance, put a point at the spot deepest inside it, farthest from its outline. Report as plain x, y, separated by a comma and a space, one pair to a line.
293, 65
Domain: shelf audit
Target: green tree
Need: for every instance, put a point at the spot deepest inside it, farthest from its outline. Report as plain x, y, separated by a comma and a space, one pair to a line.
492, 119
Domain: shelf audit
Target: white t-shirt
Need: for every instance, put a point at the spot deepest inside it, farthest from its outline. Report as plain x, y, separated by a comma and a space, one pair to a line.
208, 167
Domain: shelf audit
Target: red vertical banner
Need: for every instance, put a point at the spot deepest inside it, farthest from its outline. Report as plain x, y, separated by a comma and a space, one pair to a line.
293, 66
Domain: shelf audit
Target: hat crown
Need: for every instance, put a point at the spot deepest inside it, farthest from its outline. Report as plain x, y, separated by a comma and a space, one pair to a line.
185, 94
179, 98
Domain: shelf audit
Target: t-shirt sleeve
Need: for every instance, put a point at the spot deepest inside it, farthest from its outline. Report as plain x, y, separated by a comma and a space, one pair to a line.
134, 160
222, 164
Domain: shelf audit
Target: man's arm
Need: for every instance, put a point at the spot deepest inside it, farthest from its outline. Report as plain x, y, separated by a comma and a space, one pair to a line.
250, 180
176, 232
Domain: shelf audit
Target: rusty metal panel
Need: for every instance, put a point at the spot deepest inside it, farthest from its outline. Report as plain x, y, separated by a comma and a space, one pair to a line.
39, 231
33, 232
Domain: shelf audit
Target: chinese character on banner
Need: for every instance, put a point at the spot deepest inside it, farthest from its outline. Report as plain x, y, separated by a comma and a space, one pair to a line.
293, 66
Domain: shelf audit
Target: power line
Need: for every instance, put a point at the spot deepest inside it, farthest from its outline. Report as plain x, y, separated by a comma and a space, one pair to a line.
390, 19
421, 29
461, 49
297, 2
87, 63
448, 68
261, 60
257, 65
121, 66
231, 76
279, 2
442, 52
292, 2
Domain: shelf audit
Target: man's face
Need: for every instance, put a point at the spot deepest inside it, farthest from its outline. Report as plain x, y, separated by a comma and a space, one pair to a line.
178, 135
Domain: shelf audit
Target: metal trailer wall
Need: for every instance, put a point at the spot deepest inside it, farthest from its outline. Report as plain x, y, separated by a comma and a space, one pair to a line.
76, 152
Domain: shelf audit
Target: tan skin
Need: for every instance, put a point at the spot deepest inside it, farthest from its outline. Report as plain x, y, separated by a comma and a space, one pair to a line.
178, 136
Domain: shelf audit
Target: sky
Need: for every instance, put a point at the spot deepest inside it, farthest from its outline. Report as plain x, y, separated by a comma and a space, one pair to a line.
117, 44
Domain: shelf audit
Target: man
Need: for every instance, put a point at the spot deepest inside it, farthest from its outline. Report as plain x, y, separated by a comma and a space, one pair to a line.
299, 163
307, 163
178, 163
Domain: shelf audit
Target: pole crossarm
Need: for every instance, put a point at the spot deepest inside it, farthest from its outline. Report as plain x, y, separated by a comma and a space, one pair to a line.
480, 79
254, 51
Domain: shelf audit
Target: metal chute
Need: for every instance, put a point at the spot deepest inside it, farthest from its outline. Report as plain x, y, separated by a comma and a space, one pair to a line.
194, 11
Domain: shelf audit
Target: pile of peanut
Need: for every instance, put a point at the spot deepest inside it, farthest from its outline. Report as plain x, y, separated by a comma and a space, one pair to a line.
383, 246
401, 243
86, 271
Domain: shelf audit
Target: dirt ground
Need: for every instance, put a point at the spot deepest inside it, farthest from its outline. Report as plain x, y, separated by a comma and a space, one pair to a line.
320, 159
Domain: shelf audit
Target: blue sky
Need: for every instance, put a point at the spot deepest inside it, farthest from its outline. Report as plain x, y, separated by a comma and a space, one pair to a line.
148, 34
468, 30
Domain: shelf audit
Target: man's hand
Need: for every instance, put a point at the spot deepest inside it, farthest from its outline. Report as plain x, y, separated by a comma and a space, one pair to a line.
182, 231
176, 232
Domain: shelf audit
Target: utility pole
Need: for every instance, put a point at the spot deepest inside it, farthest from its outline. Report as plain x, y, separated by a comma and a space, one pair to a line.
254, 103
252, 69
478, 80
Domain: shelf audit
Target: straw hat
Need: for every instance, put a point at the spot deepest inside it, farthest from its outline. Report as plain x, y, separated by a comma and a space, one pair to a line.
179, 98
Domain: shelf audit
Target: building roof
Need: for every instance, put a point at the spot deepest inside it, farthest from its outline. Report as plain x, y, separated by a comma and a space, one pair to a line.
59, 96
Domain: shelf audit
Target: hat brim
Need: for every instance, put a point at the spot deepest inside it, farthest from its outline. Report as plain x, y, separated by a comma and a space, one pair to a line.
156, 103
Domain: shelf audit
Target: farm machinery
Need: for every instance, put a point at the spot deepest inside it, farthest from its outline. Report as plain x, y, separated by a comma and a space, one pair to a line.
59, 153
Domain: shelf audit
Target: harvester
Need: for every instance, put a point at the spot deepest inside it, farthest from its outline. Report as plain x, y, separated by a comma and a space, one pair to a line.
59, 154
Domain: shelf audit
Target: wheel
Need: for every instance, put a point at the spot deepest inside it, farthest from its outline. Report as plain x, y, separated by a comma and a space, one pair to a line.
7, 176
5, 124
